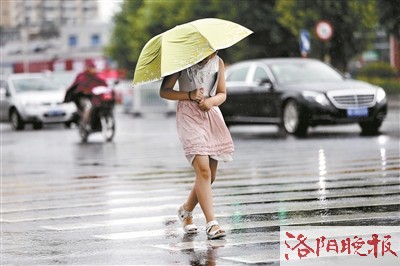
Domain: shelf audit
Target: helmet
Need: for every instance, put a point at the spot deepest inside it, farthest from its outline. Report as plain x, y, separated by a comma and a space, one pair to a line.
90, 64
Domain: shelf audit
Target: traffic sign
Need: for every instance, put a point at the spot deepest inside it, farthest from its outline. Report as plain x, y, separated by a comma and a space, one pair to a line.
324, 30
305, 45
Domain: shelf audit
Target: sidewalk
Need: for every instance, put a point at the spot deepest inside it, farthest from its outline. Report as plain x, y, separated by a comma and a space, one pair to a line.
394, 101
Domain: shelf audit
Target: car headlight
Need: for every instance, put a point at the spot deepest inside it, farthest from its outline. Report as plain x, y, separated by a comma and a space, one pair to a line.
380, 95
315, 97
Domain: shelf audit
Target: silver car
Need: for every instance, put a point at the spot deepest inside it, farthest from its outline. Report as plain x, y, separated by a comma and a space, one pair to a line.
35, 99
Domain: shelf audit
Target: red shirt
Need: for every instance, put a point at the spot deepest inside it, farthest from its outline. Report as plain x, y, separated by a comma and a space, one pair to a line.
85, 82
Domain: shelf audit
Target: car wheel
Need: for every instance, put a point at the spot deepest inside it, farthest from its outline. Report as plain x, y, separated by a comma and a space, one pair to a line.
37, 125
16, 121
294, 119
68, 124
370, 128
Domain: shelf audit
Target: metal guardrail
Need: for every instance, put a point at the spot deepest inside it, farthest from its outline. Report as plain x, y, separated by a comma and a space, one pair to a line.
146, 99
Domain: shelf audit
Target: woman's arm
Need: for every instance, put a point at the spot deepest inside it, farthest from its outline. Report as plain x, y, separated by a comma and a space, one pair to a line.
220, 95
167, 90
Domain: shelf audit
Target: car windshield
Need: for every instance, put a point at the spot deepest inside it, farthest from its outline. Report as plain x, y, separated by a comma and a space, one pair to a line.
63, 79
34, 84
298, 72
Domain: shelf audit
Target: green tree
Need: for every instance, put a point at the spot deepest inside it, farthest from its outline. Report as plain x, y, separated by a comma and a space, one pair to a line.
124, 38
138, 21
390, 16
270, 39
349, 19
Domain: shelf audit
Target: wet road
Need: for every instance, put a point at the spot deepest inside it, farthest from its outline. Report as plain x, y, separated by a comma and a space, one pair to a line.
114, 203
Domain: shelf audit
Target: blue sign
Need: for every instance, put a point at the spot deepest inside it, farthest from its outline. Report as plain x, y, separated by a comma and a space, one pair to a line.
305, 45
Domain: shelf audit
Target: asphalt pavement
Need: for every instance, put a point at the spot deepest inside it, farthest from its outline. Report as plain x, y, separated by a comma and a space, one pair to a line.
68, 203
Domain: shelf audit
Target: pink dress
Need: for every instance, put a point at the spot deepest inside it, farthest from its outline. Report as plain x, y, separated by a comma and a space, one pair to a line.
202, 133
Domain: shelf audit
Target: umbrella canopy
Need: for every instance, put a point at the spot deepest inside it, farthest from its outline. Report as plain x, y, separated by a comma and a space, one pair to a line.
184, 46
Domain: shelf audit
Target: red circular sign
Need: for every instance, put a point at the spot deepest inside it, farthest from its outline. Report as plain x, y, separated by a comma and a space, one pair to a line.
324, 30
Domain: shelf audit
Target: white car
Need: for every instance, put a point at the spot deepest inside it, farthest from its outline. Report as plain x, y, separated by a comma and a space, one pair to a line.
34, 99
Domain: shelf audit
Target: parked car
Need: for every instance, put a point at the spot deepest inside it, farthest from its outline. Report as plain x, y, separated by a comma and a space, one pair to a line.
62, 78
297, 93
33, 98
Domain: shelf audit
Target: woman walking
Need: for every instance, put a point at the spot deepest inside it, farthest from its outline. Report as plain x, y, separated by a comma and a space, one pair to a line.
202, 131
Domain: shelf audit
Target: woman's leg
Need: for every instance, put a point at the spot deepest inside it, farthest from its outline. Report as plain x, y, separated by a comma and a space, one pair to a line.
201, 191
213, 168
87, 109
192, 199
205, 169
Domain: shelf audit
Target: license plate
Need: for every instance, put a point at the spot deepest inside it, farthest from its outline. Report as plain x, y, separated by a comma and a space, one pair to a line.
55, 113
357, 112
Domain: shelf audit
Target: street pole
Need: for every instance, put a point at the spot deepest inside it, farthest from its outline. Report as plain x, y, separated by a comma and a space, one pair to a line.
24, 37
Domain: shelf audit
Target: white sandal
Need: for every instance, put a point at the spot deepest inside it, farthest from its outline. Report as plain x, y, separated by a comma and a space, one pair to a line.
183, 215
216, 233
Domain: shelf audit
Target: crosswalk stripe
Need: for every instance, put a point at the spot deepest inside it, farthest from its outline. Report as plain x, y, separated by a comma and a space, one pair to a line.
161, 232
122, 212
112, 185
142, 209
253, 238
268, 186
304, 194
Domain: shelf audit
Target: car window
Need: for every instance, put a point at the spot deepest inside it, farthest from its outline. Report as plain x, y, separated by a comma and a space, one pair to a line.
260, 74
63, 79
293, 72
239, 74
34, 84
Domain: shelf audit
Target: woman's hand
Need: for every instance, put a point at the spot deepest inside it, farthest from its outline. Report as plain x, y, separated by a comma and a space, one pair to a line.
197, 95
206, 104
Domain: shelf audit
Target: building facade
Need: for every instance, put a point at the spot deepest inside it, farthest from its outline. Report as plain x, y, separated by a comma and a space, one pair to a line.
56, 35
38, 13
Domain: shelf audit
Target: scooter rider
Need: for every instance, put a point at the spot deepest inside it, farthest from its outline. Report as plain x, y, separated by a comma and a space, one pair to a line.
80, 91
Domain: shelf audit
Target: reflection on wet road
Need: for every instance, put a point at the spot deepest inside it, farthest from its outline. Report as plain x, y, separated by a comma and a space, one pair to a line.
115, 204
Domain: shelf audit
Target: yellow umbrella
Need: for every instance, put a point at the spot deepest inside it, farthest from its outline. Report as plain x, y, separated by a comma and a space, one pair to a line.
184, 46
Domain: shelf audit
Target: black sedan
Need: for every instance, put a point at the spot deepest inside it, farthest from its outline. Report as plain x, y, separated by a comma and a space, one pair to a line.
297, 93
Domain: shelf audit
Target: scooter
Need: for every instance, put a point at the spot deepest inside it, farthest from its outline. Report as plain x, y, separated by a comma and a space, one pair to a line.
102, 114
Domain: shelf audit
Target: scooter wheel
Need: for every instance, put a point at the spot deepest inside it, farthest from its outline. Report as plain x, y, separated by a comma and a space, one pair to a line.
108, 127
83, 133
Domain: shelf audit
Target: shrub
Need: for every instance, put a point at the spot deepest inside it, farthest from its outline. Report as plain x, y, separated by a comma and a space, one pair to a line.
378, 70
391, 86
